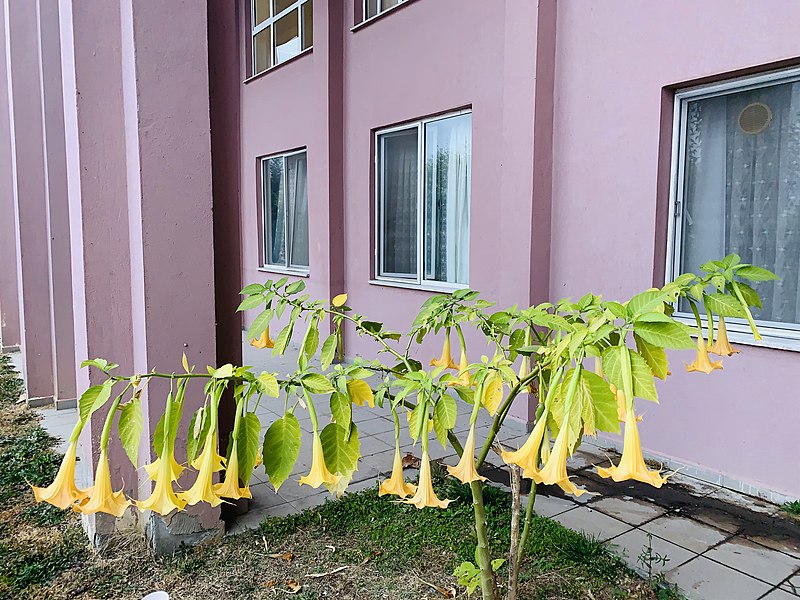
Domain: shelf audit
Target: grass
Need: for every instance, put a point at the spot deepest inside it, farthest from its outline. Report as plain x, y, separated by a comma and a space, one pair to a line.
364, 546
792, 508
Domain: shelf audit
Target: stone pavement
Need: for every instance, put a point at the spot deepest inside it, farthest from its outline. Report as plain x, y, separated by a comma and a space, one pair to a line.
719, 544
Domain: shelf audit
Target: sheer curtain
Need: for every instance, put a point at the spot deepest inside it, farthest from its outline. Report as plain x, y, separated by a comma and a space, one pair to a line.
274, 244
400, 160
742, 188
297, 184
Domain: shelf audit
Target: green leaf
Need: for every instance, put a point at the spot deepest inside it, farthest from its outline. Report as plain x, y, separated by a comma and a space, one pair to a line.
341, 452
267, 384
260, 324
646, 302
754, 273
100, 363
311, 342
664, 334
175, 418
654, 356
295, 287
94, 398
284, 337
445, 412
251, 302
641, 375
599, 404
247, 445
725, 305
418, 418
197, 434
253, 288
749, 294
223, 372
315, 383
281, 449
130, 428
342, 410
328, 351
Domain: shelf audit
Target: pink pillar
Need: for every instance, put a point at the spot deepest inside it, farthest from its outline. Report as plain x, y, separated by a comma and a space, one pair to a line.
10, 337
139, 169
30, 194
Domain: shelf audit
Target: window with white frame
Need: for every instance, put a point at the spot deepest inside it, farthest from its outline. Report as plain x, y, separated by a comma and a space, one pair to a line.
372, 8
285, 211
282, 29
423, 201
736, 187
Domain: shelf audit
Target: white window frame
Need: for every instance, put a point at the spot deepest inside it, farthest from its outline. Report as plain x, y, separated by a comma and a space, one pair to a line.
270, 22
775, 335
381, 10
287, 267
419, 282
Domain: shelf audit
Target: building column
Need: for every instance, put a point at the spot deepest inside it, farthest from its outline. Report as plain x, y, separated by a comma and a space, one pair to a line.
139, 170
10, 338
29, 174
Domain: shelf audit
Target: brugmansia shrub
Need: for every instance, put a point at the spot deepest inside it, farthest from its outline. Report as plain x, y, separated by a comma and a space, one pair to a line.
586, 362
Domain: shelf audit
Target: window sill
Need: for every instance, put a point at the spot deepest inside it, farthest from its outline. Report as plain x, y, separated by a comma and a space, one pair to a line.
282, 271
380, 15
739, 333
278, 66
428, 286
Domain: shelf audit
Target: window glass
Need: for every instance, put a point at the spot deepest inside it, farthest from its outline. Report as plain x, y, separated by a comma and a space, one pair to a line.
296, 185
741, 188
371, 8
398, 213
275, 226
261, 11
261, 58
281, 30
287, 37
286, 211
282, 5
308, 25
448, 151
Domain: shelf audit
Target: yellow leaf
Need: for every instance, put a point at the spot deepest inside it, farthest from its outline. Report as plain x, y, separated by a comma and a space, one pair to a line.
339, 300
492, 393
360, 392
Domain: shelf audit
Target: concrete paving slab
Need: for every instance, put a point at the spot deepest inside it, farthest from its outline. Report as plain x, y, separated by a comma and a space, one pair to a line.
792, 585
757, 561
779, 594
704, 579
550, 506
632, 545
592, 523
686, 533
628, 509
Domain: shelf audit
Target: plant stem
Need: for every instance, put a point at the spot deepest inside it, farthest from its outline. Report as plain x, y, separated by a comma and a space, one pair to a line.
513, 549
488, 581
526, 529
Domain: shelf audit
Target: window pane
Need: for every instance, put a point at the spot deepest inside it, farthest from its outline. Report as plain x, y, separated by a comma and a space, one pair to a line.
262, 11
448, 166
296, 183
274, 213
398, 216
282, 5
388, 4
261, 54
287, 37
742, 188
308, 25
372, 8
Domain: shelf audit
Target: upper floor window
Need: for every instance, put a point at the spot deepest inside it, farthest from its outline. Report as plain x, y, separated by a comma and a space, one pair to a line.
737, 186
281, 29
372, 8
423, 201
285, 210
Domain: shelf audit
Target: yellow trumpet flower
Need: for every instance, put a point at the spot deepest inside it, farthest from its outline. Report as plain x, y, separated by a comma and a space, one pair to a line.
554, 471
319, 473
446, 359
425, 496
153, 468
102, 497
463, 372
465, 470
632, 465
527, 457
163, 500
701, 362
230, 487
721, 346
62, 492
263, 341
203, 488
396, 484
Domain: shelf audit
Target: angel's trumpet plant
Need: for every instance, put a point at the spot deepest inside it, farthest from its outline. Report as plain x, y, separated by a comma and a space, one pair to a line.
632, 465
102, 497
396, 484
152, 469
527, 457
263, 341
465, 470
424, 495
209, 462
63, 492
230, 488
701, 362
446, 359
721, 346
319, 473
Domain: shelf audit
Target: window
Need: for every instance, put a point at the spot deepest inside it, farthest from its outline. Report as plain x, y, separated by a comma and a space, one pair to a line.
285, 211
423, 197
737, 186
281, 29
372, 8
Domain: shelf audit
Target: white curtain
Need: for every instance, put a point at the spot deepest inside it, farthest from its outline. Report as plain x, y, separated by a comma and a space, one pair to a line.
742, 190
399, 176
275, 207
297, 176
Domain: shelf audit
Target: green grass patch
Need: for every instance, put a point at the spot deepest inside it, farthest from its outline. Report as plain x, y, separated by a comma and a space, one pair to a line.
792, 508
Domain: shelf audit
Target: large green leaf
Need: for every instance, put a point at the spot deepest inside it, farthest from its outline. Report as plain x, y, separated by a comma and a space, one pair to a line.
94, 398
197, 433
247, 445
284, 337
654, 356
664, 334
281, 449
599, 404
444, 417
341, 452
725, 305
267, 384
130, 428
260, 324
641, 375
316, 383
646, 302
342, 410
251, 302
328, 351
754, 273
417, 419
311, 341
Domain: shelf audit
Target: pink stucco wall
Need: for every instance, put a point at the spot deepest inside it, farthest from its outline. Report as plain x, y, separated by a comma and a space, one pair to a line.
612, 62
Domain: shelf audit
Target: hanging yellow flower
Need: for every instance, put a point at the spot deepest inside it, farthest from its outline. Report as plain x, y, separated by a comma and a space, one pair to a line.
203, 488
465, 470
425, 496
632, 465
554, 471
62, 492
396, 484
527, 457
319, 473
463, 372
445, 360
163, 500
230, 487
721, 346
102, 497
263, 341
701, 362
152, 469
